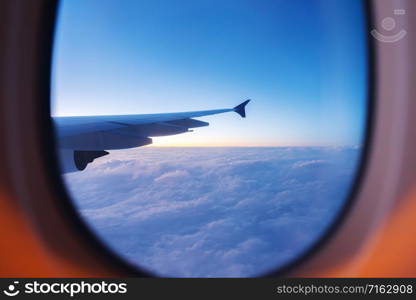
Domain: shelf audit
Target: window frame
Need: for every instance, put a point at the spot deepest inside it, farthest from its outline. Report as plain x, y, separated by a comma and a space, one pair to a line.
41, 196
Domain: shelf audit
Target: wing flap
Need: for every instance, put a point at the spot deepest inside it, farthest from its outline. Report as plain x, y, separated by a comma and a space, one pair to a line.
124, 136
103, 140
189, 123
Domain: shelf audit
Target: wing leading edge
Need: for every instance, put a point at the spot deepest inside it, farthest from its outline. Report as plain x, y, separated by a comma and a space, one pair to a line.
82, 139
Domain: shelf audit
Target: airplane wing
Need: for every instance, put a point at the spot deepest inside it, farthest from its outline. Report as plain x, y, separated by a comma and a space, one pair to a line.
84, 138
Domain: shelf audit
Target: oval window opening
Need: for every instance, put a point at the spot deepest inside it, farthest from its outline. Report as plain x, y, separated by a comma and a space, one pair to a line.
167, 161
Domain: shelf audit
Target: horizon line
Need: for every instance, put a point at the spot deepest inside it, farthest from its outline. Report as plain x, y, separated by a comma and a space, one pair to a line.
252, 146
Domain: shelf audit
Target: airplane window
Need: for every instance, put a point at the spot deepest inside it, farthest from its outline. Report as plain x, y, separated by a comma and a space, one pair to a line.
210, 138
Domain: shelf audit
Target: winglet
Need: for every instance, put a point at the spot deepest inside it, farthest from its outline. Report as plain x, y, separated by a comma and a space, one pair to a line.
241, 108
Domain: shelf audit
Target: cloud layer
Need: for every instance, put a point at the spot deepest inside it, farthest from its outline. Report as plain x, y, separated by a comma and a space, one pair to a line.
209, 212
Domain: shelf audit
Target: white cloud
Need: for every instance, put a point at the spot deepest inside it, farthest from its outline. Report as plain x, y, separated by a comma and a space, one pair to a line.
213, 211
300, 164
172, 176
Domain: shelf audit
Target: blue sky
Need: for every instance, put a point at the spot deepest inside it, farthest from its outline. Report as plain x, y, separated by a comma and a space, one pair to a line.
302, 62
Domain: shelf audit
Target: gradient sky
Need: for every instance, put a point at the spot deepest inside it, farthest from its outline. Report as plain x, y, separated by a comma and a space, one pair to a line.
302, 62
